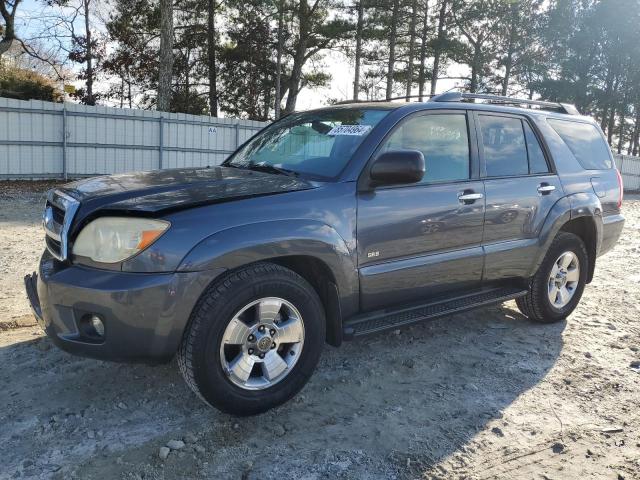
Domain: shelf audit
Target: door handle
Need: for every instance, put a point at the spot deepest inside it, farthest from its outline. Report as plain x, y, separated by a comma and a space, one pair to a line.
545, 189
469, 197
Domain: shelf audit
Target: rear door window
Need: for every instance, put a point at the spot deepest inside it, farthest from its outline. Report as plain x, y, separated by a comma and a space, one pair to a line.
537, 160
585, 142
504, 147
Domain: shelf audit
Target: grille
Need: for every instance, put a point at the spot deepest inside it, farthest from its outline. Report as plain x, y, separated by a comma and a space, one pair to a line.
58, 215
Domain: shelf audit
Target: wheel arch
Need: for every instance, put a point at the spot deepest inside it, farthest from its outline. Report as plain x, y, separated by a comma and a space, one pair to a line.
312, 249
580, 214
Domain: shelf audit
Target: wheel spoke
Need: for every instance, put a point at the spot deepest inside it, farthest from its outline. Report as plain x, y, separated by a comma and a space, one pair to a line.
553, 293
563, 295
267, 310
573, 275
566, 260
273, 365
290, 331
236, 333
554, 270
241, 366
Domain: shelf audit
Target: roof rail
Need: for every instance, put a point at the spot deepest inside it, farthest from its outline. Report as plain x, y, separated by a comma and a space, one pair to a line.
382, 100
459, 97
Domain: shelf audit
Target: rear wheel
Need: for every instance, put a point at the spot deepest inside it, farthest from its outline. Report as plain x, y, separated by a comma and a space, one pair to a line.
253, 340
557, 286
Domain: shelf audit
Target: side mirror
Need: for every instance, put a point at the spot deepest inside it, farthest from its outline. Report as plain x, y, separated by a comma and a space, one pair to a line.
397, 167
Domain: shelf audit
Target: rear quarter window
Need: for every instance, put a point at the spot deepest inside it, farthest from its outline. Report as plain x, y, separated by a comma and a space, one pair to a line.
585, 142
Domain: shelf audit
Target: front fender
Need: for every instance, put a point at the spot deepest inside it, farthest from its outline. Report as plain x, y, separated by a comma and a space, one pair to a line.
238, 246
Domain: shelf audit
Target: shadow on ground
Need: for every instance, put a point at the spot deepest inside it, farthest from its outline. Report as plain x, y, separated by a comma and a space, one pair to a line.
421, 393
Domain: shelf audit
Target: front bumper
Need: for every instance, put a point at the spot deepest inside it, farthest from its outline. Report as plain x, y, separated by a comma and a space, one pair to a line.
144, 315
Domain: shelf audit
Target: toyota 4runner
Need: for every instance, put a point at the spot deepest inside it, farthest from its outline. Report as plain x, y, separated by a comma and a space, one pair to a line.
325, 226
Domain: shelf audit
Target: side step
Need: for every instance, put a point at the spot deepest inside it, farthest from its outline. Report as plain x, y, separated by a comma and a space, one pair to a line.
385, 319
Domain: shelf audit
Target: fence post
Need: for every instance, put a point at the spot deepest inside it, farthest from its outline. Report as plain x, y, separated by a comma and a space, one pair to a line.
237, 134
161, 123
621, 164
65, 174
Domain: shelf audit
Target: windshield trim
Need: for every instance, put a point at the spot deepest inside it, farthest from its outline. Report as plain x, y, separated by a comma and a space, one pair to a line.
309, 175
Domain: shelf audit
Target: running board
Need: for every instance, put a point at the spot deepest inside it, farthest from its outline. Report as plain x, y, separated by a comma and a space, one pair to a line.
385, 319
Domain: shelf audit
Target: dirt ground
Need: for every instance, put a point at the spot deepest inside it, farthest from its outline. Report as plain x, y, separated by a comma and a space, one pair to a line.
484, 394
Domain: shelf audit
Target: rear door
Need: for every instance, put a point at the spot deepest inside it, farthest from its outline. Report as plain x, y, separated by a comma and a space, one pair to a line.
520, 188
421, 240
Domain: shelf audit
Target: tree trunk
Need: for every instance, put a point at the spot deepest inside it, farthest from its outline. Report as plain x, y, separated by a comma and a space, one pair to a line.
358, 53
435, 71
165, 69
299, 56
211, 59
9, 33
635, 140
475, 68
89, 98
611, 126
412, 41
278, 99
392, 48
423, 50
508, 63
621, 131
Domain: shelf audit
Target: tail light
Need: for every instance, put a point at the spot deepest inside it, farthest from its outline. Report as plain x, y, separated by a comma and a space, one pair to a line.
621, 187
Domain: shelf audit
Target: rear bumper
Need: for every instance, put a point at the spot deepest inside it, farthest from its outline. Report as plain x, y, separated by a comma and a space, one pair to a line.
144, 315
612, 226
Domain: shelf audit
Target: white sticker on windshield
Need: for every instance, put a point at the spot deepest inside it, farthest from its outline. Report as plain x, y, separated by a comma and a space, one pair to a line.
349, 130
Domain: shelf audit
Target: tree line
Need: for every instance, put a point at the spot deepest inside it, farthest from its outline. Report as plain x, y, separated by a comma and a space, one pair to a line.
251, 59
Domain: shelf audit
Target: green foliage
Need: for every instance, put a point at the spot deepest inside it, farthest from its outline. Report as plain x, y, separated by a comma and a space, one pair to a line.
27, 85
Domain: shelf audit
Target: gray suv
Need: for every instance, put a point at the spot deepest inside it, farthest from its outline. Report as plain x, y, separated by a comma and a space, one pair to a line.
325, 226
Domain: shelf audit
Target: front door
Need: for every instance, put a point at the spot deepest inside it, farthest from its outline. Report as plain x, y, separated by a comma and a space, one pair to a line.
520, 190
422, 240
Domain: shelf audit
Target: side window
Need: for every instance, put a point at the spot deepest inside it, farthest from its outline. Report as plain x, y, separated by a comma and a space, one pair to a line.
505, 151
537, 161
443, 140
585, 142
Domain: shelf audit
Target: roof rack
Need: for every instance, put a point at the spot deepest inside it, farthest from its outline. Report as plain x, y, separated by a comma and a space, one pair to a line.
382, 100
459, 97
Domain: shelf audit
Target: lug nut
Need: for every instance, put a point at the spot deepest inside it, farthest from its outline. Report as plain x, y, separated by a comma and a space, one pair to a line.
272, 332
261, 328
251, 338
251, 351
261, 355
273, 345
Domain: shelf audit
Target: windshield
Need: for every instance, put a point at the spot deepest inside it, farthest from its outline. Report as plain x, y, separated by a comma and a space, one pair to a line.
317, 144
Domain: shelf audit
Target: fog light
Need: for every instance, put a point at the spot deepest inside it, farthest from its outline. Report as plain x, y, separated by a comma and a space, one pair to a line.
97, 325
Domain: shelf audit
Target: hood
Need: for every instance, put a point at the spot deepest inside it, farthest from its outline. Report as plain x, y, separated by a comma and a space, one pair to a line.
163, 190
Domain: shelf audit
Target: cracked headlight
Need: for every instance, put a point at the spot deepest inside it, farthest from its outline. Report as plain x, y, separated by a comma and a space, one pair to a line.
114, 239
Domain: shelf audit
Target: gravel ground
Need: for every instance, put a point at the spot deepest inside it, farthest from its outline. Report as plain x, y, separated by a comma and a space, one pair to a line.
484, 394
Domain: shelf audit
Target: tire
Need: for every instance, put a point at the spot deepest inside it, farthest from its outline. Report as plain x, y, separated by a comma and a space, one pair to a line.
537, 304
225, 310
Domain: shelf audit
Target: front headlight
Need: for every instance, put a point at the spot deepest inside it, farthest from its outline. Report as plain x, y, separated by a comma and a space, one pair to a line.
114, 239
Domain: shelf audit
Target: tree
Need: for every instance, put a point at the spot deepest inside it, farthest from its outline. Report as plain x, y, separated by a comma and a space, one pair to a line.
24, 84
439, 44
165, 65
315, 32
8, 10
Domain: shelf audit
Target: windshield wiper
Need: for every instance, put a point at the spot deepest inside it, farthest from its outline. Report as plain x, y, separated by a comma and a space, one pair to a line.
267, 168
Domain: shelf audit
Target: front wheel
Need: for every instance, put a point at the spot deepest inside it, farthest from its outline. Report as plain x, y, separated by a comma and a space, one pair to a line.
557, 286
253, 340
